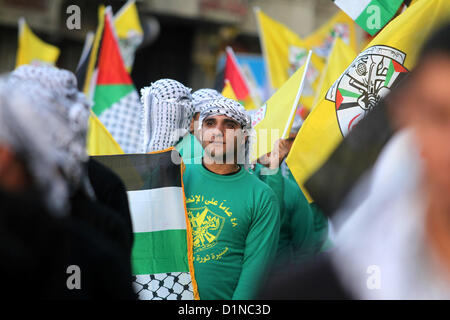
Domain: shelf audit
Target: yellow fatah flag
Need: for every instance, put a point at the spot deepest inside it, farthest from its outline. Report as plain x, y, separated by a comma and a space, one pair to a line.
339, 26
99, 141
129, 31
371, 75
89, 79
270, 121
285, 52
32, 50
228, 92
340, 57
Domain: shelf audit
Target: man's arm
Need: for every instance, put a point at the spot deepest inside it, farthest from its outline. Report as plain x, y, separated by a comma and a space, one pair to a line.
260, 247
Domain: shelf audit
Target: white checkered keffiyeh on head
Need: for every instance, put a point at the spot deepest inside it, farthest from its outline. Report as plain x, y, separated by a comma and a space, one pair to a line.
234, 110
202, 96
36, 135
167, 113
58, 89
64, 84
226, 107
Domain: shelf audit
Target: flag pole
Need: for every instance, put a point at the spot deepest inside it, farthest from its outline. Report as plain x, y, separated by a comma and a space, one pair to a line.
297, 98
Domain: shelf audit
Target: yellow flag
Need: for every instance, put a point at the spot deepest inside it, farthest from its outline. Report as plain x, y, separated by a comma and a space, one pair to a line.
285, 52
340, 57
32, 50
371, 75
129, 31
228, 92
99, 141
271, 119
340, 25
89, 81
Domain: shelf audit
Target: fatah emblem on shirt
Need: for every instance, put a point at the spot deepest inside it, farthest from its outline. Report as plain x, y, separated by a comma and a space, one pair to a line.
206, 227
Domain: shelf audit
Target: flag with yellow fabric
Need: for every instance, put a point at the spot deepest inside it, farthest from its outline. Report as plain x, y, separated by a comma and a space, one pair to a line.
371, 75
339, 26
273, 118
340, 57
99, 141
86, 69
32, 50
129, 31
284, 52
228, 91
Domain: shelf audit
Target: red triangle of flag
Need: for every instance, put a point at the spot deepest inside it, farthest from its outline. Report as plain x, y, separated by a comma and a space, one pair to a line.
398, 67
237, 81
111, 68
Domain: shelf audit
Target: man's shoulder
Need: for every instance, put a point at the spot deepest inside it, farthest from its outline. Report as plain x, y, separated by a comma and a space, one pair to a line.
259, 188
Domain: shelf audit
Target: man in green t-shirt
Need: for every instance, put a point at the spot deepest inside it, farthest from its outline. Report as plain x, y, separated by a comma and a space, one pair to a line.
234, 216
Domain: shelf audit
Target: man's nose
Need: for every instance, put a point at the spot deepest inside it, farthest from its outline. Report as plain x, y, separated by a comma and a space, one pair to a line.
215, 132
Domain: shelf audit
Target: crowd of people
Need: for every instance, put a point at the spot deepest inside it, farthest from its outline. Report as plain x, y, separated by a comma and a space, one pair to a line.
61, 208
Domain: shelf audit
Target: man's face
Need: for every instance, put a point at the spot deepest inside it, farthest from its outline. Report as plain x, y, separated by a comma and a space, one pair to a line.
222, 138
426, 108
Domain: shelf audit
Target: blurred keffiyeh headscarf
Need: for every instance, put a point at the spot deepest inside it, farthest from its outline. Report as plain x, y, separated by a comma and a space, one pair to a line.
34, 135
167, 113
57, 91
234, 110
202, 97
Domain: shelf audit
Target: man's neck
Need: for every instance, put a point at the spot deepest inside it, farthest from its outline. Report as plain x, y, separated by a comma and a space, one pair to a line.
220, 168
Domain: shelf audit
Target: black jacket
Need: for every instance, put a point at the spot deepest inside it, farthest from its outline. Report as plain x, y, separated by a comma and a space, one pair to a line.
36, 250
315, 279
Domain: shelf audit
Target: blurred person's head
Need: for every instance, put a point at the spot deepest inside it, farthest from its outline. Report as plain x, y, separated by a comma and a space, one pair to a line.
224, 131
30, 157
167, 113
199, 99
57, 90
424, 105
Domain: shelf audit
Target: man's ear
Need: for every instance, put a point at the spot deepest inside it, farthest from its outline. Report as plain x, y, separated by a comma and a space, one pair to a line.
6, 157
13, 174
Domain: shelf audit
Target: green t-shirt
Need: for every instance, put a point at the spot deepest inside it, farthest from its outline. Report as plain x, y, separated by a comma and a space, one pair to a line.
320, 229
190, 149
274, 179
235, 225
297, 231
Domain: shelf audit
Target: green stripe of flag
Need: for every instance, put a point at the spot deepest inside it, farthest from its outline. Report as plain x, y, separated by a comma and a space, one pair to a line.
389, 74
377, 14
347, 93
160, 252
108, 94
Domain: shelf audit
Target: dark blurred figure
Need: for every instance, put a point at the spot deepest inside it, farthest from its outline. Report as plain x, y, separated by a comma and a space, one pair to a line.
396, 243
40, 241
98, 196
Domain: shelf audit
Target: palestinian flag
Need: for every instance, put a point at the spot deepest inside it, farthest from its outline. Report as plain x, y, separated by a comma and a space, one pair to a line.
116, 101
162, 260
371, 15
234, 75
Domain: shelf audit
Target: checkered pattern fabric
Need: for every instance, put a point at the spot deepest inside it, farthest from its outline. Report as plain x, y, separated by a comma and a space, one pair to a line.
166, 114
202, 96
164, 286
122, 120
